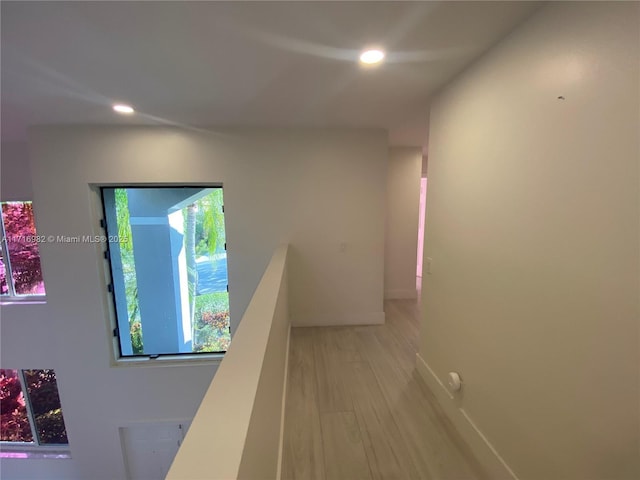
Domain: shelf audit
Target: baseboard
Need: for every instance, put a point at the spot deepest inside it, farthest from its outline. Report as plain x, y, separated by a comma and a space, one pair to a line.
324, 320
284, 402
487, 455
401, 294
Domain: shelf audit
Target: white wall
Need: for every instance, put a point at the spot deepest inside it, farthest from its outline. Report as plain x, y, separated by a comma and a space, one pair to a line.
15, 177
533, 227
401, 229
314, 189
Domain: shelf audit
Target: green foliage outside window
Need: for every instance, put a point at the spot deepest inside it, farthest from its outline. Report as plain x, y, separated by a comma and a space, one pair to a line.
204, 232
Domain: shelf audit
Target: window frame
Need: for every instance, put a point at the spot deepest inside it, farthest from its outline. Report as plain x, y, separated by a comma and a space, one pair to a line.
12, 297
141, 360
59, 450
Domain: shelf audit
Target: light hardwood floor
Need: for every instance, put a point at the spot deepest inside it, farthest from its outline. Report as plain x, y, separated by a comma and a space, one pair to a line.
357, 409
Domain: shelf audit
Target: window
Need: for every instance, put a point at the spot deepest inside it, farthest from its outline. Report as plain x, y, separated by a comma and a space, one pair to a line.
168, 263
30, 411
20, 269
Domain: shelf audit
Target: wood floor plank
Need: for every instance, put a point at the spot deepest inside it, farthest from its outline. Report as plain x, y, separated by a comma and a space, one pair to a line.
333, 395
345, 458
355, 400
344, 348
431, 447
303, 456
397, 349
393, 381
402, 319
383, 443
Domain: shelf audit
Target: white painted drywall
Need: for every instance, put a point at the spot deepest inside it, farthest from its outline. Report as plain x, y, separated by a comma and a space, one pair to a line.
401, 229
533, 227
15, 177
245, 397
314, 189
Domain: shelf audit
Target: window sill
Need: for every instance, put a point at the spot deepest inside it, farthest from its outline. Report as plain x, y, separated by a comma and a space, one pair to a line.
170, 360
26, 300
24, 452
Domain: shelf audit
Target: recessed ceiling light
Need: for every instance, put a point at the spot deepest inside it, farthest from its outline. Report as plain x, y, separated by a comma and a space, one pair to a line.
371, 57
124, 109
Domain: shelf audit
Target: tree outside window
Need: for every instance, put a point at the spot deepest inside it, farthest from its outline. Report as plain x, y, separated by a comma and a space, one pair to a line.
30, 410
20, 268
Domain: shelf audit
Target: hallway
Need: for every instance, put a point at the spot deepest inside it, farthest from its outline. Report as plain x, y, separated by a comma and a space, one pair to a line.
356, 408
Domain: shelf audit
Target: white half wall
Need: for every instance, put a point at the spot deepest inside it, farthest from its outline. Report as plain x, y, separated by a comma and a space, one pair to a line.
533, 226
246, 398
401, 229
313, 189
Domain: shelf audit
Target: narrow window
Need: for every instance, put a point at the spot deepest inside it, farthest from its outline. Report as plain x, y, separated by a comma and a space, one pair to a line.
168, 262
20, 269
30, 410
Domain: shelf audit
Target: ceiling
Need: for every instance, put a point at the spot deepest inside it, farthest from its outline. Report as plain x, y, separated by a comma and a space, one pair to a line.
260, 64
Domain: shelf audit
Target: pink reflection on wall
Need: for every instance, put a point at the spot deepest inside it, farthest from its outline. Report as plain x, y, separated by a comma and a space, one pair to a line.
13, 455
423, 205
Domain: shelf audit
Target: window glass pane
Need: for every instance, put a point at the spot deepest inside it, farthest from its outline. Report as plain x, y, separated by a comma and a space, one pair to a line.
24, 255
45, 405
14, 422
4, 289
169, 269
